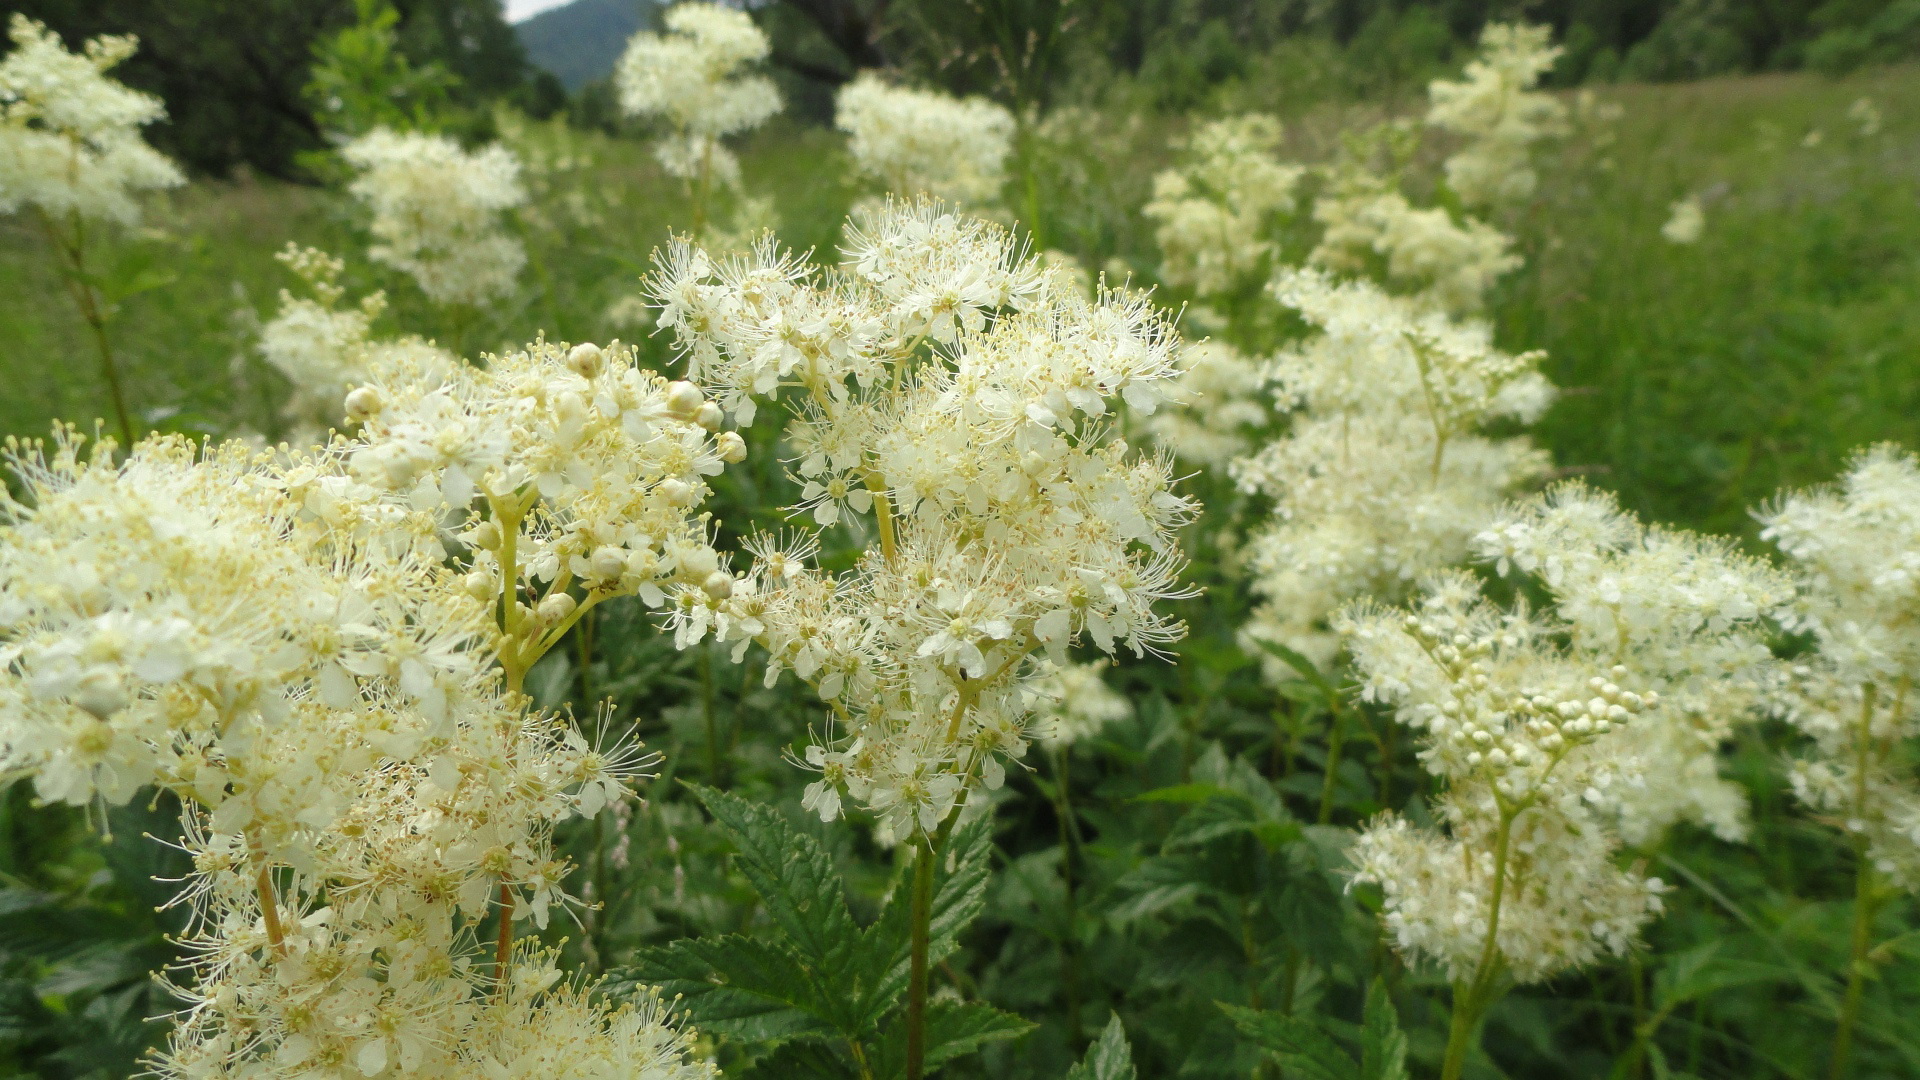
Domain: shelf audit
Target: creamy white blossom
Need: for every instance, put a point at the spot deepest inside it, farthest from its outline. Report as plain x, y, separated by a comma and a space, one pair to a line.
1686, 220
694, 78
1215, 212
70, 142
1519, 876
1381, 478
923, 142
950, 399
1856, 548
1496, 109
436, 212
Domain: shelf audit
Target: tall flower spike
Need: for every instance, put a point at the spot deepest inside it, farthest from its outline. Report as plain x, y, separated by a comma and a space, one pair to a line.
69, 135
949, 401
693, 77
1497, 110
436, 212
1855, 547
1381, 478
1216, 211
922, 142
1687, 614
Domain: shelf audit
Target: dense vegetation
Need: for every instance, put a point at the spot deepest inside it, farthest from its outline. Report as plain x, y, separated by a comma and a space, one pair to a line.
1185, 869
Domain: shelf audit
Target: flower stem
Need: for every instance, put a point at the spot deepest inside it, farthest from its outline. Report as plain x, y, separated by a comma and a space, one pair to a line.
1336, 740
269, 907
503, 944
1863, 896
1470, 999
74, 251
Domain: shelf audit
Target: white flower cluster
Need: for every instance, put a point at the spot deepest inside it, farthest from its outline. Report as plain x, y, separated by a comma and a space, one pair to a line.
566, 476
1449, 265
1215, 212
325, 350
692, 78
358, 793
1687, 614
1529, 736
922, 142
70, 141
1500, 115
952, 397
1856, 547
1381, 479
436, 212
1686, 221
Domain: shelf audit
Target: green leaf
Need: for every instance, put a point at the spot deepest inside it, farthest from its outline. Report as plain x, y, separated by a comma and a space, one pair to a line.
800, 1061
1302, 1048
1300, 664
1109, 1058
953, 1030
733, 985
1183, 793
1383, 1046
884, 956
793, 875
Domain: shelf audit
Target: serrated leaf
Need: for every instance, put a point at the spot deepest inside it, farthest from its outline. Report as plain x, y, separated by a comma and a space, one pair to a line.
953, 1030
800, 1061
794, 877
1383, 1046
734, 985
1300, 1045
1109, 1058
884, 956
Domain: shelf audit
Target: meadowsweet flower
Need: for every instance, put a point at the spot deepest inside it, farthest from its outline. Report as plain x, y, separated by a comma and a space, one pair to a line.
1495, 108
1856, 549
964, 393
1520, 875
436, 212
1686, 220
320, 691
917, 142
1450, 265
1687, 614
70, 141
1215, 212
566, 476
692, 77
1381, 478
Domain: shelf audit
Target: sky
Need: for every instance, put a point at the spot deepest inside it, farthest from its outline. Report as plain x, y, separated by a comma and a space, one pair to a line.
521, 9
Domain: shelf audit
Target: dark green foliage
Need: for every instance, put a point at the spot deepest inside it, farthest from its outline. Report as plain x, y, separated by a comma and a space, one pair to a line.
818, 978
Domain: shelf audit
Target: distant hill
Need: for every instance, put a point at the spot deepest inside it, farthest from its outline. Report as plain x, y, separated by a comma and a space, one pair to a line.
581, 41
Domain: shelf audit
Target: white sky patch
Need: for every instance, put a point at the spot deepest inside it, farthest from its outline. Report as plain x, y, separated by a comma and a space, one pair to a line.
518, 10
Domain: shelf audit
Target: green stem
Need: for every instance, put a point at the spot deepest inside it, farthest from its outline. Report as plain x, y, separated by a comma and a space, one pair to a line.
707, 709
922, 920
1336, 741
1069, 857
1470, 1000
1863, 897
74, 251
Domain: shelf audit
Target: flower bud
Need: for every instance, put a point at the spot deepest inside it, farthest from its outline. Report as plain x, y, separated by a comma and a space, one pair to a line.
479, 585
555, 608
363, 402
683, 397
586, 360
675, 491
731, 447
608, 561
486, 536
709, 416
718, 585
